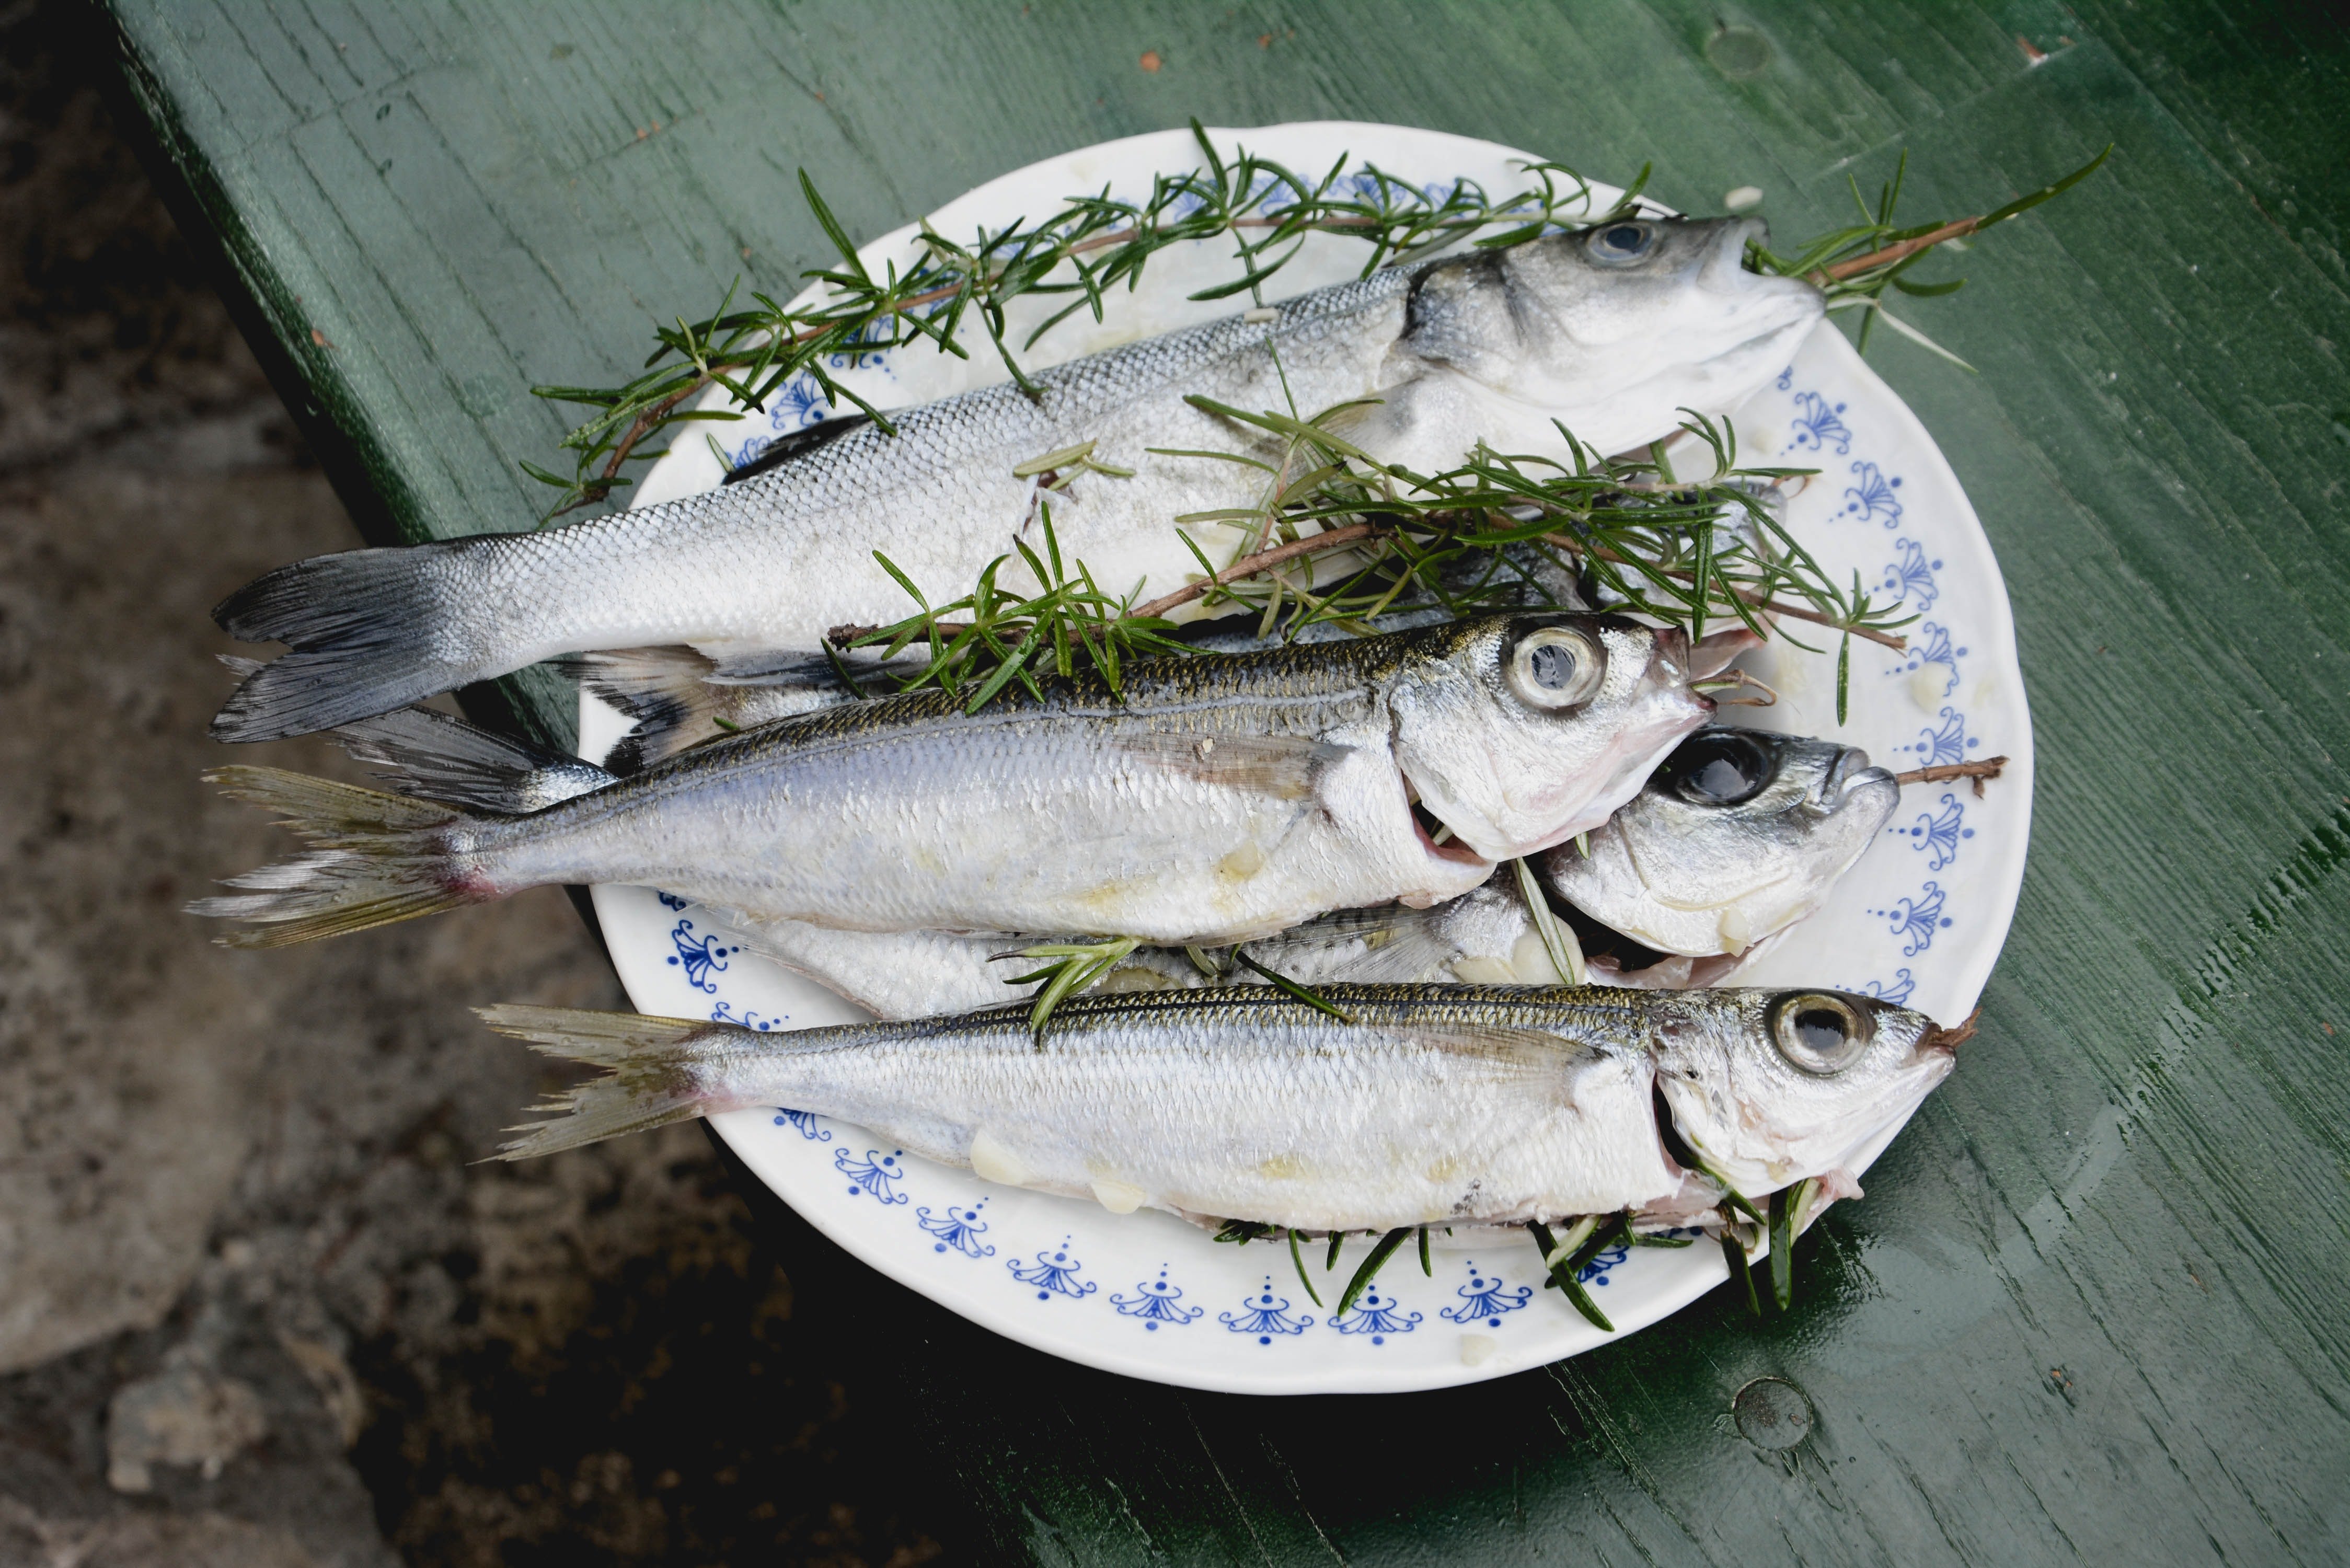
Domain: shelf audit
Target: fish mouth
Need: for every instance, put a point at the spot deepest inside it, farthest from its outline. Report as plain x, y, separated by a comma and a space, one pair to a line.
1672, 658
1938, 1044
1725, 270
1427, 825
1770, 305
1850, 774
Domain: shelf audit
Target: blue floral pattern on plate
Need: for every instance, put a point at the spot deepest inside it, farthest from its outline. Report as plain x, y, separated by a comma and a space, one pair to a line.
1376, 1314
1486, 1298
958, 1229
1265, 1315
1054, 1273
876, 1173
1157, 1302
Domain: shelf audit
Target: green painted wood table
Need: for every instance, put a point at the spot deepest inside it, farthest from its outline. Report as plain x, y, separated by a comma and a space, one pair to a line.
2094, 1306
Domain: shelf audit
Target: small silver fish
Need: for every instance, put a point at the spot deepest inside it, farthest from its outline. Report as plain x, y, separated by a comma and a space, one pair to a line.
1214, 799
1736, 836
1617, 331
1424, 1106
1749, 830
1763, 823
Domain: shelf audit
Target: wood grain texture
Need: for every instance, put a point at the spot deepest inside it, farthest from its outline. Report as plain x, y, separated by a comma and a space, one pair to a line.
2090, 1309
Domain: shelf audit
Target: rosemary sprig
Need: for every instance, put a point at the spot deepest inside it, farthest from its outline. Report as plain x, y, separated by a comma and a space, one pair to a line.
1088, 246
992, 636
1558, 941
1297, 1260
1280, 981
1787, 1207
1075, 966
1093, 244
1680, 551
1733, 1252
1854, 266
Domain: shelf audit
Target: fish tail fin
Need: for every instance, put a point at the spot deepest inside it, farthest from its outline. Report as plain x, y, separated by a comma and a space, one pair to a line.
666, 691
436, 756
374, 858
361, 628
651, 1077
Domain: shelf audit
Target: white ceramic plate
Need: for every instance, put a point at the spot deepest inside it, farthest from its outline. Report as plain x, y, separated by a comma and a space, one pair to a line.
1919, 920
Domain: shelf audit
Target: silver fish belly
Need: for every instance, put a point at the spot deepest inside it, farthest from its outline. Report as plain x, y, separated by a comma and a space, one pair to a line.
1492, 346
1215, 800
1423, 1106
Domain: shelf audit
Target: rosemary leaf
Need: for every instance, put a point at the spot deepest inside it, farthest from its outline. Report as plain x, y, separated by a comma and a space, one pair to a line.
1735, 1255
1554, 1260
1298, 1260
1380, 1254
1558, 941
1843, 677
1284, 982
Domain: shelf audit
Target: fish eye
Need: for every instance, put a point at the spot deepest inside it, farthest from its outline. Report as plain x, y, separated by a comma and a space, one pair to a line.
1556, 666
1819, 1032
1717, 767
1616, 244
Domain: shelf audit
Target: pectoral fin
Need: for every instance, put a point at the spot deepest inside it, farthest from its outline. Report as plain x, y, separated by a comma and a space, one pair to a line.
1283, 767
1531, 1050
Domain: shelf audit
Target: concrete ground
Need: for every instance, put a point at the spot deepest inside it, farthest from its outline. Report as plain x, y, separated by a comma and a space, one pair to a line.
256, 1305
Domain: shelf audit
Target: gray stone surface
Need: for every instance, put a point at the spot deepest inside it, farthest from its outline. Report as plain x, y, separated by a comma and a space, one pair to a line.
257, 1304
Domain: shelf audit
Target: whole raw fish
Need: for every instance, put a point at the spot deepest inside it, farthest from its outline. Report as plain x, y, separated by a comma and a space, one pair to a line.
1736, 836
1214, 799
1615, 331
1423, 1106
1748, 830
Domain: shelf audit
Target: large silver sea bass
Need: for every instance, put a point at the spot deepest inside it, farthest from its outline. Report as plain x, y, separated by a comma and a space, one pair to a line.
1736, 836
1613, 331
1215, 799
1424, 1106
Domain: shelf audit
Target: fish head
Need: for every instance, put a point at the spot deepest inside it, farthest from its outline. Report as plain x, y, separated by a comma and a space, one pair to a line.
1638, 300
1748, 827
1520, 730
1767, 1087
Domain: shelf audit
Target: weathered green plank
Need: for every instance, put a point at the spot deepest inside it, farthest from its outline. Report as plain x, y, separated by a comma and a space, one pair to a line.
2089, 1308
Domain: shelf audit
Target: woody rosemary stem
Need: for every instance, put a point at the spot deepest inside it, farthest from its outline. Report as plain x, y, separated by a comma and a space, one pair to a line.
1769, 607
1891, 253
1263, 561
1246, 567
1989, 768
